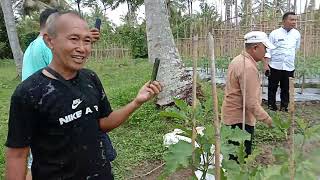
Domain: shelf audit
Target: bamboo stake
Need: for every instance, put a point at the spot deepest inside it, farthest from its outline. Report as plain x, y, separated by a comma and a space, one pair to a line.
244, 92
194, 97
236, 12
291, 131
216, 121
304, 45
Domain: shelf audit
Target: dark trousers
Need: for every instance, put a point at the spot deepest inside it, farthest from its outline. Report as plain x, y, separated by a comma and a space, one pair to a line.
247, 143
275, 77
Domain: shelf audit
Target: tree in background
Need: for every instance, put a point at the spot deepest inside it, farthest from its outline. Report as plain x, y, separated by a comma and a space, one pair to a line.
6, 6
161, 45
133, 37
5, 51
133, 5
28, 29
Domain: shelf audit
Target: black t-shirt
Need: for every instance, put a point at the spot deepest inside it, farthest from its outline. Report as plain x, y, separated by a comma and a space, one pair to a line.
60, 124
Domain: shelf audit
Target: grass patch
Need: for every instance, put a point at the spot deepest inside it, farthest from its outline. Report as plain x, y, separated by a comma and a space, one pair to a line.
8, 82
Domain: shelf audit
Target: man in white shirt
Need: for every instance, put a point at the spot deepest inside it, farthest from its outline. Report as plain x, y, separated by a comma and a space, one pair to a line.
279, 62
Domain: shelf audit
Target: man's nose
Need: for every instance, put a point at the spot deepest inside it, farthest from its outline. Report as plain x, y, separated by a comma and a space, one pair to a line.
81, 47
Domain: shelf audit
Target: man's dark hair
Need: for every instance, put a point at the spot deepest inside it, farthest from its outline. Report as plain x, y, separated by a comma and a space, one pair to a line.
51, 21
285, 16
44, 16
249, 45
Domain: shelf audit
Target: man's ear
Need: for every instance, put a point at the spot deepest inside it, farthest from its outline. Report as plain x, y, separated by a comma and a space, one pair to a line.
48, 40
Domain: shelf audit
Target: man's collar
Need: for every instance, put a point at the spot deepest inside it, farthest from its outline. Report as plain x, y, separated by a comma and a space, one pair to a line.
286, 29
247, 55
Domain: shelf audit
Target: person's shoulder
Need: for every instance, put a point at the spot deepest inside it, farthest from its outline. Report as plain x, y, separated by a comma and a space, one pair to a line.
36, 45
296, 32
38, 41
27, 85
88, 72
237, 59
34, 80
276, 31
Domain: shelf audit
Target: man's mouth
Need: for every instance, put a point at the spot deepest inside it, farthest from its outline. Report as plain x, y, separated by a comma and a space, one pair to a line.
78, 59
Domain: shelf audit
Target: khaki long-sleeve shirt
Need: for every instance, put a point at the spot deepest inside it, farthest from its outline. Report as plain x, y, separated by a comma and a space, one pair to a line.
232, 107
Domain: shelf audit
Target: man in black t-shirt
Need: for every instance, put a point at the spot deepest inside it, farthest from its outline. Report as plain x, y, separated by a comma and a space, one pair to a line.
61, 111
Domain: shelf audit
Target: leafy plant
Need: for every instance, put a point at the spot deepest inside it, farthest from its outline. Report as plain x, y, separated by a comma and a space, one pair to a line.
205, 143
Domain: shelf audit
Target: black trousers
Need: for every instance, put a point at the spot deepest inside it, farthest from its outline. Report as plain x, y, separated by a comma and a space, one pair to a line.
247, 143
275, 77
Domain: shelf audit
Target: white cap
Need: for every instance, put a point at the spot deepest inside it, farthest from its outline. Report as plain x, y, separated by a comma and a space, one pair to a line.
258, 37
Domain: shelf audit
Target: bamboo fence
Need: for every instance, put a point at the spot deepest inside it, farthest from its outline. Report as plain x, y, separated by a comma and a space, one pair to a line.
102, 51
229, 37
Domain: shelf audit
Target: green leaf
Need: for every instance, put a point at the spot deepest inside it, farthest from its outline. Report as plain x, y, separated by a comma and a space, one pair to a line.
282, 124
271, 171
298, 139
209, 134
236, 134
186, 131
178, 156
230, 166
198, 154
241, 153
174, 114
227, 149
222, 175
301, 123
182, 105
284, 169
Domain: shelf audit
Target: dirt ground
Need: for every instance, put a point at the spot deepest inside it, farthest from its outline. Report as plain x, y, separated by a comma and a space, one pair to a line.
150, 170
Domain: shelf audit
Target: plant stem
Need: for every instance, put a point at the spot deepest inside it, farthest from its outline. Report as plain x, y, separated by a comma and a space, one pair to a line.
291, 130
194, 97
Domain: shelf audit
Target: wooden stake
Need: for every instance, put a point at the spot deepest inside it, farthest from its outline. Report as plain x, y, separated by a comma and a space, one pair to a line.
194, 97
216, 121
244, 92
291, 130
304, 45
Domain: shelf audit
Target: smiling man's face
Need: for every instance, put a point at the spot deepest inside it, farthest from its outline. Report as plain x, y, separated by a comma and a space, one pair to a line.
72, 44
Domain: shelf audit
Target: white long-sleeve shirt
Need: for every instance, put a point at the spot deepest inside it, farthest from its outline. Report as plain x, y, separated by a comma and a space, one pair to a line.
287, 44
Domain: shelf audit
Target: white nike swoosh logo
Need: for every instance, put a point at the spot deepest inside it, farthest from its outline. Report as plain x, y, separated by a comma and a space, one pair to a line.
75, 105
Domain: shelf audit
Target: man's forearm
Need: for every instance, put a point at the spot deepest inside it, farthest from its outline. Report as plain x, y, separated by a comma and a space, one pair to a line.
116, 118
16, 166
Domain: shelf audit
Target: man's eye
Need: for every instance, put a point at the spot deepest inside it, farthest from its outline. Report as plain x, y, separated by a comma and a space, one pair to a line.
87, 40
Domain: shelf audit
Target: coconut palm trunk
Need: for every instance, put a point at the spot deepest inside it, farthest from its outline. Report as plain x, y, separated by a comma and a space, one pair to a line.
172, 72
6, 6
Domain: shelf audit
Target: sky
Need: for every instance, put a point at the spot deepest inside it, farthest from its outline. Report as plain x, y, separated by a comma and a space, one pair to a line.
115, 15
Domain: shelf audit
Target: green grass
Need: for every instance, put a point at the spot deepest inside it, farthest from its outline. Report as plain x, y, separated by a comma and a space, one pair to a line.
8, 82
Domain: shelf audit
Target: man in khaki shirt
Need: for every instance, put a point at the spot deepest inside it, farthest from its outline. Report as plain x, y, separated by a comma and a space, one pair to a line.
243, 81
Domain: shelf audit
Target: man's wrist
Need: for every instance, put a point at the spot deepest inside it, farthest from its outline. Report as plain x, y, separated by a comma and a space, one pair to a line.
136, 103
